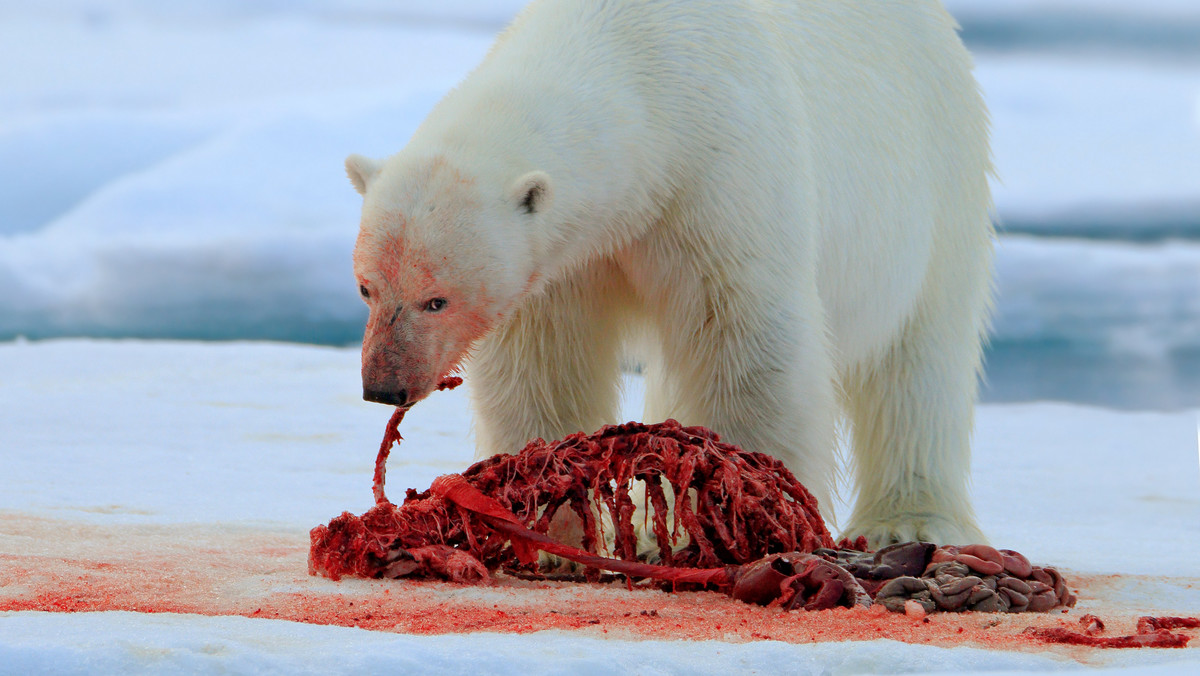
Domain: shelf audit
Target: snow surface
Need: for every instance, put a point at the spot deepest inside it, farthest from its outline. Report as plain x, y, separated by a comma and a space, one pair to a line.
132, 643
133, 433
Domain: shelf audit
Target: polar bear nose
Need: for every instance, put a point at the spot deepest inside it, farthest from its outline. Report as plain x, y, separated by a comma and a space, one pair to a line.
396, 398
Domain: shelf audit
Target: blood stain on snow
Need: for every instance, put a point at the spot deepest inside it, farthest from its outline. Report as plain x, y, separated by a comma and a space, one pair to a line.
58, 566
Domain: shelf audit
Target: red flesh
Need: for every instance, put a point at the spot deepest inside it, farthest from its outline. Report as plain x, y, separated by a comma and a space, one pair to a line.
392, 436
748, 505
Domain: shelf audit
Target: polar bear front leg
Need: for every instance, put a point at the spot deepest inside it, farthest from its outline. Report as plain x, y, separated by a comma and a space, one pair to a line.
553, 368
750, 361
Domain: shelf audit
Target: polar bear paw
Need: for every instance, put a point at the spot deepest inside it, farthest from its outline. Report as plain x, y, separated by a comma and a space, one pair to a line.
911, 527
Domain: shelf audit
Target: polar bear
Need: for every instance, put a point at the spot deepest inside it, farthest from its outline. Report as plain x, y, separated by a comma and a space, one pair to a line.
783, 204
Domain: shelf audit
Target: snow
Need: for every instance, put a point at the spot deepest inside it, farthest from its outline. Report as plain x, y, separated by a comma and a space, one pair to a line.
133, 643
232, 436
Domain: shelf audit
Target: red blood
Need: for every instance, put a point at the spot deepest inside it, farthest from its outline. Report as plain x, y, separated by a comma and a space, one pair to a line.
1152, 632
392, 436
62, 566
1156, 639
1149, 624
858, 544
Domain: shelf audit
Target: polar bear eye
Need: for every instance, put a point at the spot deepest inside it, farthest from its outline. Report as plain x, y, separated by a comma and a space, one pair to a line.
436, 305
362, 291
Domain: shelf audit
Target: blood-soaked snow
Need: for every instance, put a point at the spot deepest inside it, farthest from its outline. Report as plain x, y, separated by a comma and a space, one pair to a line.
178, 480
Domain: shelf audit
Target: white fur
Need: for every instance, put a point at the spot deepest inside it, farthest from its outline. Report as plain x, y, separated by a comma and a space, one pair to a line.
782, 203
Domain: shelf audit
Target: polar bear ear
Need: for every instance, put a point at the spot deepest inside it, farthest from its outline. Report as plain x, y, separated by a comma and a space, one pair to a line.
361, 170
531, 193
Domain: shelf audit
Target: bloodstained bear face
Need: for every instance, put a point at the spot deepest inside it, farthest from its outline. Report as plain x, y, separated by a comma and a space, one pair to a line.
423, 318
439, 262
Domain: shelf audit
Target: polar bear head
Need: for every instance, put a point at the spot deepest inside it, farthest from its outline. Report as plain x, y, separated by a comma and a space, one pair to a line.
442, 256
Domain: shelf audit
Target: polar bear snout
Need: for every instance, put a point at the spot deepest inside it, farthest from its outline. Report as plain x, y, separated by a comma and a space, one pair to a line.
385, 374
397, 398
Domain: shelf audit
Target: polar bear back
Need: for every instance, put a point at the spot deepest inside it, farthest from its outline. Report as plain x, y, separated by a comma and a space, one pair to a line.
626, 100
